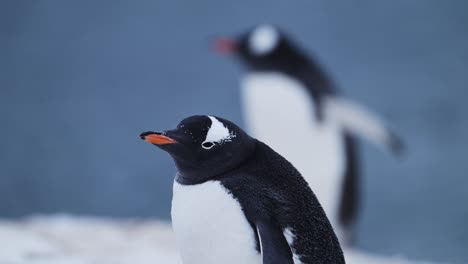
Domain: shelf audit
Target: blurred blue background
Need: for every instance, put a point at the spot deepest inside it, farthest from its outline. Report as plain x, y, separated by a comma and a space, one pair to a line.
79, 80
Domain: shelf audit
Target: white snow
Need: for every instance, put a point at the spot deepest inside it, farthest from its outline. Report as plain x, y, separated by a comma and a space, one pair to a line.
62, 239
70, 240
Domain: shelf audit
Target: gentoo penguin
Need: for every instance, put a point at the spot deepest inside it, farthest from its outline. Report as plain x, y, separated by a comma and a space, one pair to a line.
235, 200
286, 93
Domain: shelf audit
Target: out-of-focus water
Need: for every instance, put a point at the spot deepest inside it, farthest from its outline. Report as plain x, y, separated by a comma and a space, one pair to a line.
79, 80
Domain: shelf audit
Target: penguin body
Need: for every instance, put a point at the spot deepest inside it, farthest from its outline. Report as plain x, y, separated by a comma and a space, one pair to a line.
286, 90
238, 201
321, 159
210, 225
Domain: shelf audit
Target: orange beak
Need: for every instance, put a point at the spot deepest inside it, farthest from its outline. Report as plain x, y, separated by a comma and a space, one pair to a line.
225, 46
156, 138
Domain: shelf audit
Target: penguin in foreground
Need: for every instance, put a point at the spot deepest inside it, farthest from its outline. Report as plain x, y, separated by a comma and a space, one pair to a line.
285, 93
235, 200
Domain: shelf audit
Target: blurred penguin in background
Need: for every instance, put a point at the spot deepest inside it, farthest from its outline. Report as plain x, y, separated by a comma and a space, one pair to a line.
292, 105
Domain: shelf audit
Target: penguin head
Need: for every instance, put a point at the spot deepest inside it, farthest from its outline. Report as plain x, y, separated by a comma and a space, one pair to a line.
263, 47
203, 146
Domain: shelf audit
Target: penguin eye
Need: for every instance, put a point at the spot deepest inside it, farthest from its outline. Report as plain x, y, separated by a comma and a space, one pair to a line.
207, 145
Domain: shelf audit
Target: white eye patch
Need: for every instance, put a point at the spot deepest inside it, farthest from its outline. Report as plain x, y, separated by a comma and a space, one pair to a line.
263, 39
217, 133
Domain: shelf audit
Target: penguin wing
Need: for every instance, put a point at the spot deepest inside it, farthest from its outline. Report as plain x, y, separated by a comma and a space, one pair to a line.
356, 119
273, 245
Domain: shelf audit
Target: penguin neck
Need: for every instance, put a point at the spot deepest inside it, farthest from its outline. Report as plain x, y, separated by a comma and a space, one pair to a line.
190, 174
186, 178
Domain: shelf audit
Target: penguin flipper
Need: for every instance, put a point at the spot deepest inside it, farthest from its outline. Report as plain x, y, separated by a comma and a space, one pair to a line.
273, 245
358, 120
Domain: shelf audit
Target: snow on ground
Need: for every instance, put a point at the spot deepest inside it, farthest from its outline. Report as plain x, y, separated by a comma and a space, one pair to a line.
77, 240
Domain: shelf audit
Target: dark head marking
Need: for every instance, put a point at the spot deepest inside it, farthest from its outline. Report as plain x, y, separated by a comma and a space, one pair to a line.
203, 147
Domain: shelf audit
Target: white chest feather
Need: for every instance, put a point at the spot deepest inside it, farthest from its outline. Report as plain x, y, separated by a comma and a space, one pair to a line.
280, 112
210, 226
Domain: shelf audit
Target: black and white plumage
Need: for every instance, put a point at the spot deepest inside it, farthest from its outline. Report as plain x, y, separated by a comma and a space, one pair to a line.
238, 201
285, 92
